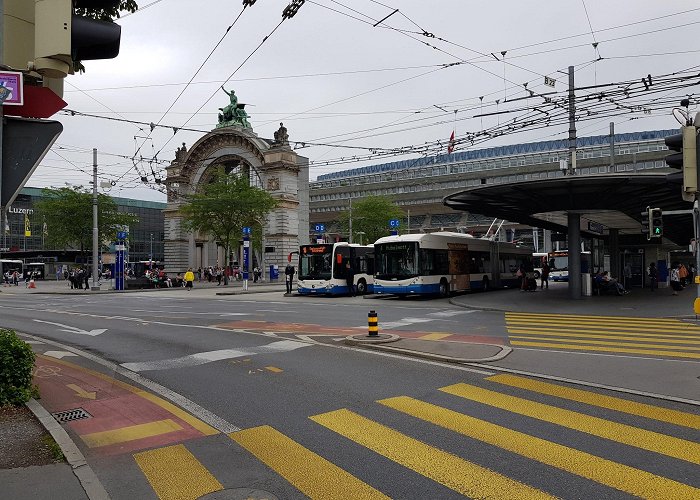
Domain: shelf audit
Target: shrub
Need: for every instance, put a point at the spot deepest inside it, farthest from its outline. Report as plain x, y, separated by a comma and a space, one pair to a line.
16, 365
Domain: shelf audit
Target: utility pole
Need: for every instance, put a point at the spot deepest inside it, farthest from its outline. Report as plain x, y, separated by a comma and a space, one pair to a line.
95, 235
612, 147
3, 214
572, 123
350, 222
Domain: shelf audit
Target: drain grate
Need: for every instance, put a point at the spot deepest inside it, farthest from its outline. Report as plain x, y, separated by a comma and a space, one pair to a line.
70, 415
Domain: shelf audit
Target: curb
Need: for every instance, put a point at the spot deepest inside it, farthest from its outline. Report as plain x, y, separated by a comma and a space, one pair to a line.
87, 477
362, 339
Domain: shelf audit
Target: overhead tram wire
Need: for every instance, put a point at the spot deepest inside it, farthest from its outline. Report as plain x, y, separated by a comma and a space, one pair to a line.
245, 5
288, 13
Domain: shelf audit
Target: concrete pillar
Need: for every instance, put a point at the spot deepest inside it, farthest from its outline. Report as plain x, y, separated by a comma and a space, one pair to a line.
574, 236
614, 241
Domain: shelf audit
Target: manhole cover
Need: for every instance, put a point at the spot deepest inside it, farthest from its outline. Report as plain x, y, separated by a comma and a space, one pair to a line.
70, 415
239, 494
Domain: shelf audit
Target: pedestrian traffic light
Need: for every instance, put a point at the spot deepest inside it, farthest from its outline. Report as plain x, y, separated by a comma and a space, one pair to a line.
685, 158
645, 222
60, 37
656, 223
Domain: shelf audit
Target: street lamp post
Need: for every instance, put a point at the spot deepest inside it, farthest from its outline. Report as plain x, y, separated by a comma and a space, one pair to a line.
150, 255
360, 234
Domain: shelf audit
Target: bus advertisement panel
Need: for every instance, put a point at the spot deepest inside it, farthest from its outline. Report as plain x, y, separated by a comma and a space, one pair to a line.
322, 268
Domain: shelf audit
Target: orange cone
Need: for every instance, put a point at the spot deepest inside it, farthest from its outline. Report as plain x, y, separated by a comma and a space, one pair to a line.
32, 284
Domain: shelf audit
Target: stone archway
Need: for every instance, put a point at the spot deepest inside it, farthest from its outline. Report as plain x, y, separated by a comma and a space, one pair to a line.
270, 164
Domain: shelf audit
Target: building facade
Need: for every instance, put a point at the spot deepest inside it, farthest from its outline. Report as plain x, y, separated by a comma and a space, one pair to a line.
419, 186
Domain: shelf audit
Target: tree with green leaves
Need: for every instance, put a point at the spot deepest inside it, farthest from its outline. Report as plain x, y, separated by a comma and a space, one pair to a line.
67, 212
371, 216
224, 206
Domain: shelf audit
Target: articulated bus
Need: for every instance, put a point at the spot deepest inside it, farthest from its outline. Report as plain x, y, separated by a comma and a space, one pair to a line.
322, 268
442, 263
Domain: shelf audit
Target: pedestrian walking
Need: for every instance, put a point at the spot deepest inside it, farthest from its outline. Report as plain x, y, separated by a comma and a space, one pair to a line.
350, 278
545, 276
653, 276
189, 279
676, 279
289, 277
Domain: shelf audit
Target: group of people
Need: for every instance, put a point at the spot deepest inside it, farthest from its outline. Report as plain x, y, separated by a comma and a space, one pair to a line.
77, 277
11, 278
528, 282
681, 276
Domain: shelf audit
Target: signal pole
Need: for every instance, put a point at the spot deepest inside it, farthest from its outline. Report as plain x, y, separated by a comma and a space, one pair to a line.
572, 123
95, 234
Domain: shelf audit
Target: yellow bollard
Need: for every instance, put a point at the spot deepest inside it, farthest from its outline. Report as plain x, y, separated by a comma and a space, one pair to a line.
372, 324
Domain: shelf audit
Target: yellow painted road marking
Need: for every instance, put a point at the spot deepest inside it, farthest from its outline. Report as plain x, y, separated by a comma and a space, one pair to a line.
605, 342
600, 400
80, 392
652, 352
589, 317
622, 477
130, 433
274, 369
435, 336
622, 433
194, 422
175, 474
449, 470
310, 473
642, 337
601, 326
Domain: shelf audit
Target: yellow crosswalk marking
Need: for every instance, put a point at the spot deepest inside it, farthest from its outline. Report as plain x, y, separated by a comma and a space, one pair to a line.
622, 433
311, 474
175, 474
449, 470
605, 324
435, 336
130, 433
586, 340
600, 400
581, 317
607, 349
605, 334
622, 477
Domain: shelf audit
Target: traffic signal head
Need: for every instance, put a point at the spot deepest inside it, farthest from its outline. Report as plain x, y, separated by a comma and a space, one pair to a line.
685, 158
60, 37
656, 223
645, 222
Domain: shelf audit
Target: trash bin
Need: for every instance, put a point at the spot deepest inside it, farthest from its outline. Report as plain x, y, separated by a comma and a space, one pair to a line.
274, 272
586, 285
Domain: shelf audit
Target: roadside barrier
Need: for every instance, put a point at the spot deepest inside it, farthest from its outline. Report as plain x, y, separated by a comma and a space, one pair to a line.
372, 324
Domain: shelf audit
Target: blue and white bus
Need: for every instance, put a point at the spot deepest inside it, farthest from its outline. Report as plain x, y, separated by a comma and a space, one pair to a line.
322, 268
443, 263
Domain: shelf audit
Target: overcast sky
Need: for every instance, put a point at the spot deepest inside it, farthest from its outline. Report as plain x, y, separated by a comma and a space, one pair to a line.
335, 79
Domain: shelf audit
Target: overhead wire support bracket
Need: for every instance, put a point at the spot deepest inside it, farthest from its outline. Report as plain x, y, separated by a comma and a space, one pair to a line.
385, 18
291, 9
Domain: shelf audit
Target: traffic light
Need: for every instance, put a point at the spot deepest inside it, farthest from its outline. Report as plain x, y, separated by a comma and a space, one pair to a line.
645, 222
685, 158
60, 37
656, 223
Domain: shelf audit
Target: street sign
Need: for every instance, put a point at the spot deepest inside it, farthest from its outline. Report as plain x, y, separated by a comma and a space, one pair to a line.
320, 228
122, 235
394, 223
246, 230
39, 102
11, 88
24, 143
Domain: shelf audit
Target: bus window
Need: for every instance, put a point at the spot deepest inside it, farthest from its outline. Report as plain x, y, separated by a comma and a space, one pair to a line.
342, 256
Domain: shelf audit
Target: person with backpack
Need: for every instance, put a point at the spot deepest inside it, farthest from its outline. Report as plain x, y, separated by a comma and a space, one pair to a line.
289, 277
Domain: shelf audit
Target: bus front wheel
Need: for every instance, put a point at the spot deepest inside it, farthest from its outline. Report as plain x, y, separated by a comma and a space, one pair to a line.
444, 288
361, 287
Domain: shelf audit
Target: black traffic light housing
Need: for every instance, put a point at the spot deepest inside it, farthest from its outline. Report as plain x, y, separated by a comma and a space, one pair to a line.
656, 223
645, 223
685, 158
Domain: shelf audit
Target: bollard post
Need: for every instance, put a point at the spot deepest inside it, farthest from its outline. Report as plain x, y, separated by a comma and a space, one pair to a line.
372, 324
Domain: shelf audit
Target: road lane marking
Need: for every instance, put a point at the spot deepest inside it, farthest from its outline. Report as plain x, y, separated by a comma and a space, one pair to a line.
621, 433
130, 433
675, 354
596, 318
80, 392
598, 334
274, 369
604, 328
201, 358
449, 470
622, 477
435, 336
586, 340
600, 400
308, 472
175, 474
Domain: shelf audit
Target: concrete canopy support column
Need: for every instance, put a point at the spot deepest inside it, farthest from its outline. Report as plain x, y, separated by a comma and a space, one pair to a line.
574, 223
614, 240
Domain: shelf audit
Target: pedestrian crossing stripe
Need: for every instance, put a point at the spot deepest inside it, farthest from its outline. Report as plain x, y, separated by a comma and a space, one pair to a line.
310, 473
652, 352
600, 400
175, 473
449, 470
621, 433
595, 341
622, 477
642, 337
622, 328
582, 317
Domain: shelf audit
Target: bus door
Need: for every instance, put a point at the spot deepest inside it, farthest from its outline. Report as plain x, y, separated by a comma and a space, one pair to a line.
458, 255
341, 256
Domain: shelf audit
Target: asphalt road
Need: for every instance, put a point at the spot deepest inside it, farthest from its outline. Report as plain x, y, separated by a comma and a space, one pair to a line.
325, 420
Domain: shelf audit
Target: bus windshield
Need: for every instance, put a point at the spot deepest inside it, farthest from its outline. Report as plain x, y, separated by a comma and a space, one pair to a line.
395, 260
315, 262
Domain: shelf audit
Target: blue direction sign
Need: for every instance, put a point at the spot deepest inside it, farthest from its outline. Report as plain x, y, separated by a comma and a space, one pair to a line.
320, 228
394, 223
122, 235
246, 230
